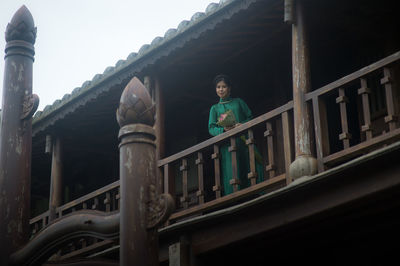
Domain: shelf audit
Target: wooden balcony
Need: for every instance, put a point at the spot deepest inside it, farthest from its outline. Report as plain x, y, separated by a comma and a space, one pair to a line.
352, 116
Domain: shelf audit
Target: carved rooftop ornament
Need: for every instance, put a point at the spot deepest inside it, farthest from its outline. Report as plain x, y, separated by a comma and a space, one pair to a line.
136, 105
21, 27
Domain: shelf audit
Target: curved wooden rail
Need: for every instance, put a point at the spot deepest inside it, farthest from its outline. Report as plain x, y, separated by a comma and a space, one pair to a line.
79, 224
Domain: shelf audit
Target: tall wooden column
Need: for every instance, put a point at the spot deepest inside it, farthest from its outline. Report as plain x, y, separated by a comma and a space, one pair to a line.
159, 127
16, 134
154, 87
160, 119
304, 164
142, 208
56, 194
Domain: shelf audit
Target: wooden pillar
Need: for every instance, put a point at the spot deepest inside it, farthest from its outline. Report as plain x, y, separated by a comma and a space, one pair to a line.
304, 164
179, 253
56, 191
153, 85
142, 209
159, 126
160, 119
16, 133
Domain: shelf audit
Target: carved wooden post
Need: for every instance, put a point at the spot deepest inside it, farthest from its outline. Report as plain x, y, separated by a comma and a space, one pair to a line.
56, 178
142, 209
16, 133
304, 164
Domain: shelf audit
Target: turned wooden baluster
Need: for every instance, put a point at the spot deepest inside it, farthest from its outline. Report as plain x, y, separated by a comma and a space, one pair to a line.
169, 184
270, 146
95, 205
364, 91
321, 131
84, 205
345, 136
253, 172
107, 201
200, 175
82, 242
287, 129
113, 200
166, 179
217, 172
71, 247
234, 182
169, 181
118, 197
184, 169
36, 226
44, 221
391, 117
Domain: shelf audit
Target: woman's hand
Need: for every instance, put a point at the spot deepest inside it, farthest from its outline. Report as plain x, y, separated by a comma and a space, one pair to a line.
229, 128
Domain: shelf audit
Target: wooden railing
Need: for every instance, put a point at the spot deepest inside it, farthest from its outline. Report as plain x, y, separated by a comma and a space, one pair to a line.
105, 199
366, 98
195, 167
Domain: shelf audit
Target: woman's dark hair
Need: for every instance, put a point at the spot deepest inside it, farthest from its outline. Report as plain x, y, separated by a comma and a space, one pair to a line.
222, 77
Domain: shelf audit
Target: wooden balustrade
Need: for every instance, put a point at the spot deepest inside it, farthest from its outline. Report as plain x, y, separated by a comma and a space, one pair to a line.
104, 199
202, 188
372, 131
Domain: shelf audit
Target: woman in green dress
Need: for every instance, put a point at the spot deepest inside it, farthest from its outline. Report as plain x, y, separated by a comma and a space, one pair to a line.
242, 114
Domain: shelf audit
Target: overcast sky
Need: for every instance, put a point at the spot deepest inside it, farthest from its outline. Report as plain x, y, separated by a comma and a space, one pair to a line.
77, 39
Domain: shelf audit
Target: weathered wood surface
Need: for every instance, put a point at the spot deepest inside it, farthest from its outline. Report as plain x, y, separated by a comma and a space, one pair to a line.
304, 164
109, 204
61, 231
18, 106
142, 209
350, 185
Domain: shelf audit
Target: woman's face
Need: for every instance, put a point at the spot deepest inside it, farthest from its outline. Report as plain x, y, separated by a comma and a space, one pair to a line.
222, 89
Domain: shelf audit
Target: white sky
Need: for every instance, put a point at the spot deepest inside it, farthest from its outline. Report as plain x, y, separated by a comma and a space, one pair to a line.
77, 39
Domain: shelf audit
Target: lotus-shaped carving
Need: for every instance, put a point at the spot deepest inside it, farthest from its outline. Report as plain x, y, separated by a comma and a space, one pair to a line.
136, 105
